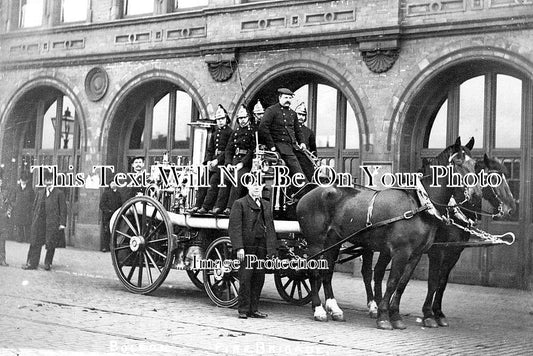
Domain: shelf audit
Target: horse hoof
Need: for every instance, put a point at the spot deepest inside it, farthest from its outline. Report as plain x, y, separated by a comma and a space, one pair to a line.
384, 325
321, 318
372, 309
430, 323
337, 317
442, 322
398, 324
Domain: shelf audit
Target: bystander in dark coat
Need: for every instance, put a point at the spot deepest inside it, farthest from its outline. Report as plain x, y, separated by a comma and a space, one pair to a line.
21, 199
49, 220
109, 202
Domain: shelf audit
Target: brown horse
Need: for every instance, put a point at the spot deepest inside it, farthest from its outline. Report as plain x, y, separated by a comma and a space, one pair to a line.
442, 260
328, 214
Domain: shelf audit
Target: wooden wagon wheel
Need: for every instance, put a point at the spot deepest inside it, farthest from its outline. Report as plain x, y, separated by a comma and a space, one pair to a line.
293, 286
196, 277
221, 283
141, 244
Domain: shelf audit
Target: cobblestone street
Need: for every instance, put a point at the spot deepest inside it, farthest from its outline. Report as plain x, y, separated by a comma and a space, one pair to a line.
81, 308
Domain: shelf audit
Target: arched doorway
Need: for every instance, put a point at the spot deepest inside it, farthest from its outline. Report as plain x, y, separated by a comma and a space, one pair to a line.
43, 128
491, 102
151, 120
330, 116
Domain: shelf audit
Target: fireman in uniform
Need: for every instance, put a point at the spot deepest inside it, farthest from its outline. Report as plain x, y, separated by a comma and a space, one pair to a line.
239, 154
308, 138
280, 130
215, 157
259, 111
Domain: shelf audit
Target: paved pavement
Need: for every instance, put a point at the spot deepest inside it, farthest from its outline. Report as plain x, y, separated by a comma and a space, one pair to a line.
80, 308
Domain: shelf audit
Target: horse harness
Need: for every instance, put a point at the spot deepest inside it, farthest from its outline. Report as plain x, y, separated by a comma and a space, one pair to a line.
369, 225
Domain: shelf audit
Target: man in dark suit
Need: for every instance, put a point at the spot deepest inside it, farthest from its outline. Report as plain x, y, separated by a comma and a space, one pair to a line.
215, 157
251, 230
280, 131
109, 202
21, 202
48, 224
308, 138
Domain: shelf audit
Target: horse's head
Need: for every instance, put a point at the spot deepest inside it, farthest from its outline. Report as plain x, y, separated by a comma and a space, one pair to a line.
498, 195
460, 158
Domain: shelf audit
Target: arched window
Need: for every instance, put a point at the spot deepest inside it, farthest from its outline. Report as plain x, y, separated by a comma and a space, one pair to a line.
489, 108
335, 125
161, 125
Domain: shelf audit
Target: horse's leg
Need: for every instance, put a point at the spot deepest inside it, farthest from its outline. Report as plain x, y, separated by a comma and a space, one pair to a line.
395, 317
332, 308
436, 257
399, 261
450, 260
366, 272
379, 274
319, 313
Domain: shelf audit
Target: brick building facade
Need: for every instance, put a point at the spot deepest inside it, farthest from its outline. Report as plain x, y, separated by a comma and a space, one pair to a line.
387, 82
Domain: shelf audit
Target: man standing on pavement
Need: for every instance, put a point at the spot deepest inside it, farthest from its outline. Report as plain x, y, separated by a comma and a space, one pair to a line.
280, 130
109, 202
4, 208
251, 230
48, 224
21, 202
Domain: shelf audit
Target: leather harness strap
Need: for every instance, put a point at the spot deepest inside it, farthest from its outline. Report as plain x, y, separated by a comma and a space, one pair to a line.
406, 216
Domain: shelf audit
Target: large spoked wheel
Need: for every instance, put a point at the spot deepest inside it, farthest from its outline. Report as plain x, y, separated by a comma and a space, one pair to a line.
196, 277
221, 282
293, 286
141, 244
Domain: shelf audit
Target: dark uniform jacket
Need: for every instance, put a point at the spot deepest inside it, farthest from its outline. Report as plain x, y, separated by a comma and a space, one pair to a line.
308, 138
217, 144
21, 203
280, 128
249, 228
241, 146
109, 202
48, 213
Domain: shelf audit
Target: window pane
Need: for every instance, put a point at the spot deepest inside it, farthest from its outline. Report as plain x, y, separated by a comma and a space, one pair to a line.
137, 132
74, 10
472, 94
352, 130
437, 136
49, 123
160, 124
183, 4
301, 95
67, 124
326, 118
138, 7
31, 13
182, 131
508, 111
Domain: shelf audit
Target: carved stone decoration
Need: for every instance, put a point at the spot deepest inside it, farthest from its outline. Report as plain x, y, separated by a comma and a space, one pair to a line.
96, 83
380, 61
221, 66
380, 56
